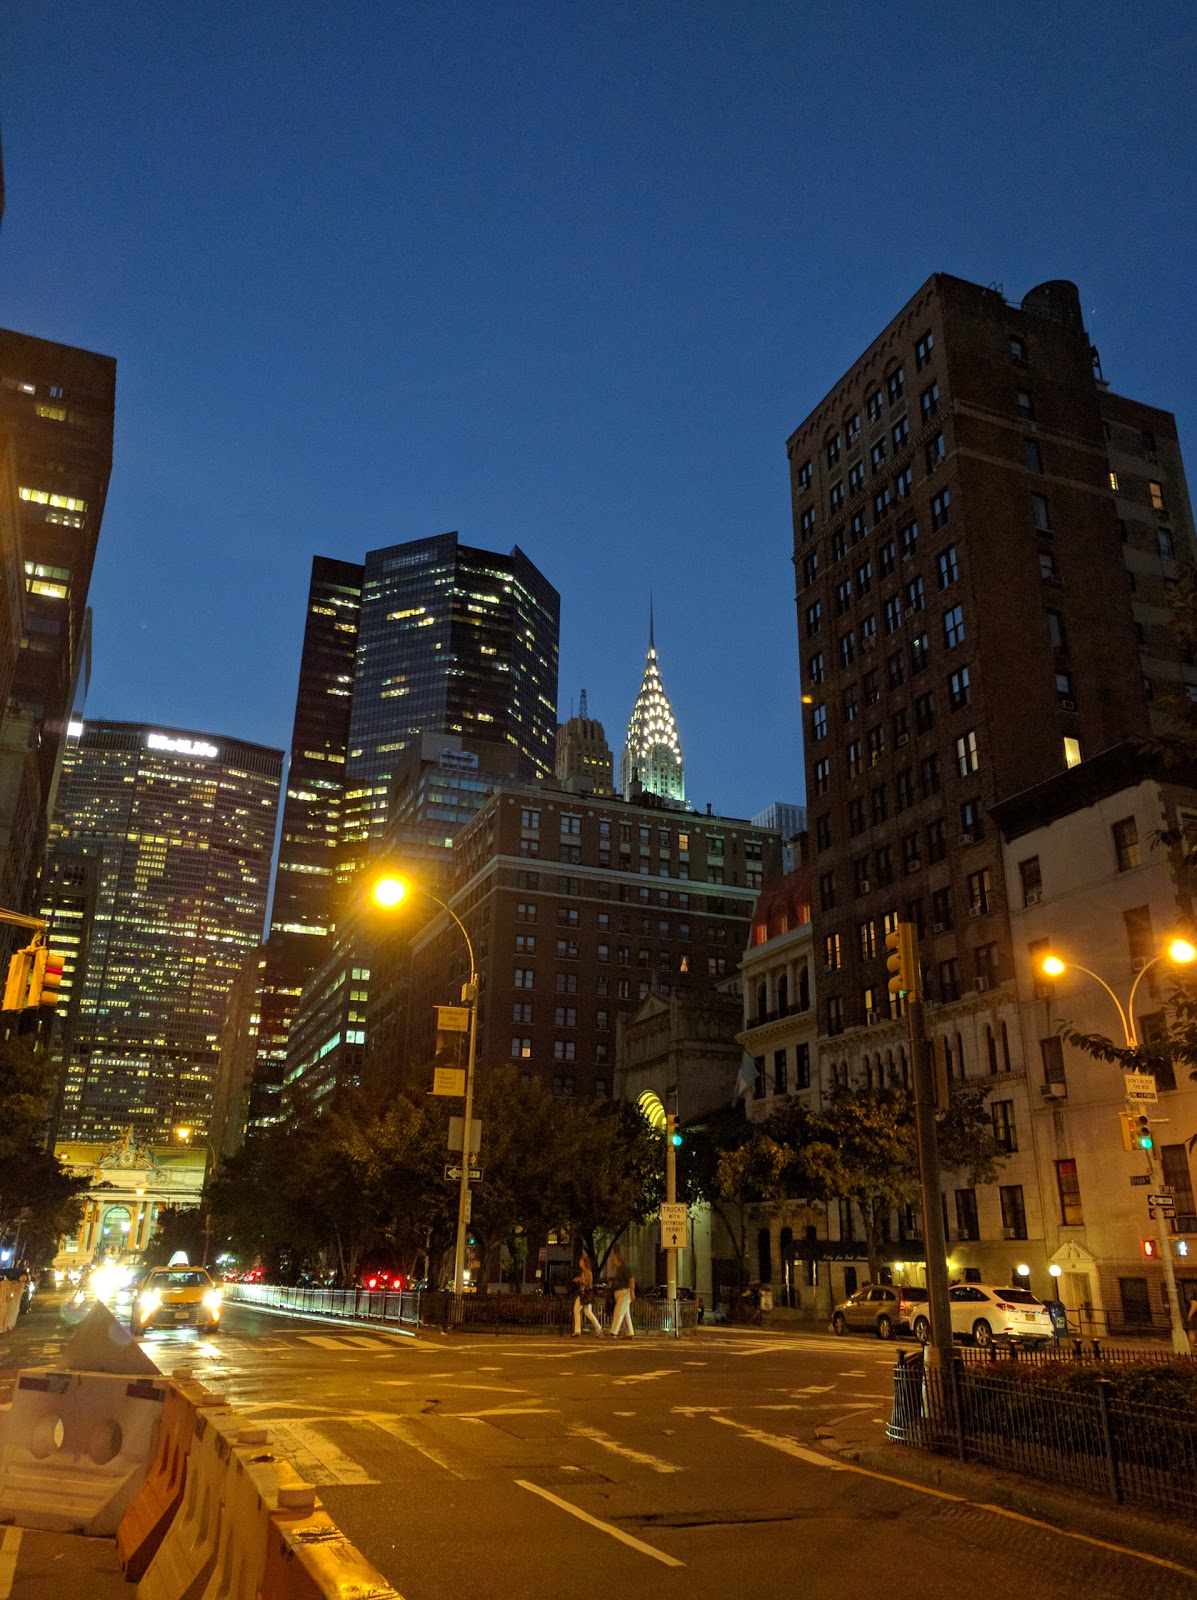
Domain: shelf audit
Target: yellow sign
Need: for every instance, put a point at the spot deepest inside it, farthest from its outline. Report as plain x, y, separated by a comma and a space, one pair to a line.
448, 1080
452, 1019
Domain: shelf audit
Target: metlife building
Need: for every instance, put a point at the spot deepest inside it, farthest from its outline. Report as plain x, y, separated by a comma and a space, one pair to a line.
180, 828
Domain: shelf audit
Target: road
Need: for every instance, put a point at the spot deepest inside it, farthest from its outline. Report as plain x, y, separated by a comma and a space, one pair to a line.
528, 1466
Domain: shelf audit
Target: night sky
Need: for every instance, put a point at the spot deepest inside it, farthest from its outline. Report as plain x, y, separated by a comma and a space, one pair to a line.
551, 274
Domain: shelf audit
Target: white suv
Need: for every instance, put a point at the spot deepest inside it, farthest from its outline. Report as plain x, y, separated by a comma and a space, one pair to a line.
985, 1313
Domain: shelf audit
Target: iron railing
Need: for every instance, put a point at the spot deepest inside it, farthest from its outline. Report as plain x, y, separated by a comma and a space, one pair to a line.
1094, 1440
480, 1313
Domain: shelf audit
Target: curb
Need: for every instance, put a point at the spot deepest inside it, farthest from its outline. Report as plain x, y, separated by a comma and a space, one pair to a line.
1137, 1528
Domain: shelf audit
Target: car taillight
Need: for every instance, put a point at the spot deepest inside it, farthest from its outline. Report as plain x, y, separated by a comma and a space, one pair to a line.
1002, 1306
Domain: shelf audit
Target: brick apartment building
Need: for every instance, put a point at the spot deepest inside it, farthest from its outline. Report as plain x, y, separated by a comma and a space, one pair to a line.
579, 908
984, 540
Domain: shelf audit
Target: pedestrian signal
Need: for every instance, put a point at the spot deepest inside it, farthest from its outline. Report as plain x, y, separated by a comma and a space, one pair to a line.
1149, 1249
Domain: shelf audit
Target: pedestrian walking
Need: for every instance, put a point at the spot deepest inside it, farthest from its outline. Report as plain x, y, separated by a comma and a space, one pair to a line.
1191, 1325
625, 1292
584, 1298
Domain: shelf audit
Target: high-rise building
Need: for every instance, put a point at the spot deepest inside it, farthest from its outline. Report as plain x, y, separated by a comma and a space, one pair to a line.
423, 670
985, 537
182, 826
584, 763
56, 420
452, 640
652, 757
579, 908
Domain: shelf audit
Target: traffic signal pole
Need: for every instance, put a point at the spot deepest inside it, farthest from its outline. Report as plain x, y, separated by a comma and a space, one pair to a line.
905, 983
1176, 1312
670, 1196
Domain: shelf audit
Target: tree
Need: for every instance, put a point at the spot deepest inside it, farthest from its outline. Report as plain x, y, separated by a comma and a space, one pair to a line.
39, 1201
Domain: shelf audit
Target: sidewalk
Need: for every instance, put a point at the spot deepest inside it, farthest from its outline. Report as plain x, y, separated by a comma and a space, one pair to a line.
46, 1566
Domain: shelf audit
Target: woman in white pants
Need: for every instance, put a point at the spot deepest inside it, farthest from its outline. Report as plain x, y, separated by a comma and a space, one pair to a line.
625, 1293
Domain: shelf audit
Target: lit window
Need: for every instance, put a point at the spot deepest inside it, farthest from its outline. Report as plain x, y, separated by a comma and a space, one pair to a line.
1072, 752
1114, 481
1156, 490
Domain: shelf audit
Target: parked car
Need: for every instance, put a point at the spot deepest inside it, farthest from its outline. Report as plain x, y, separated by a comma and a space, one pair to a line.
176, 1297
880, 1308
986, 1313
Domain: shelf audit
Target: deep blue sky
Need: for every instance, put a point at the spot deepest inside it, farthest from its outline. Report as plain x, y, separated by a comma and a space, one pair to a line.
551, 274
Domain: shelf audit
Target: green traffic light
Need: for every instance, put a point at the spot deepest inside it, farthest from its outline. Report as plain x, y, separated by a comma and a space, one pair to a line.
675, 1140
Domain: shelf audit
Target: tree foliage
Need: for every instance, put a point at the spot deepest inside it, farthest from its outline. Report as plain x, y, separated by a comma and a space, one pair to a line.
39, 1201
366, 1178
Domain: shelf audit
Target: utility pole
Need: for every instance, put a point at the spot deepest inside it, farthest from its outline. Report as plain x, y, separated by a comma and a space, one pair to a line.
906, 986
671, 1197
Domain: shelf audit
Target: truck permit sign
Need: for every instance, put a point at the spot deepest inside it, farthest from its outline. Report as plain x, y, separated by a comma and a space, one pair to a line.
1140, 1086
675, 1230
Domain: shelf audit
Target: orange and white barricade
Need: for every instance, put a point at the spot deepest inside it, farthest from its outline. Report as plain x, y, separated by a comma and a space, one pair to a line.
144, 1524
309, 1558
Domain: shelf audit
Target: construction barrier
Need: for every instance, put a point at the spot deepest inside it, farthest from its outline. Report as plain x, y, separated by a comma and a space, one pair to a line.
144, 1524
309, 1558
76, 1448
186, 1557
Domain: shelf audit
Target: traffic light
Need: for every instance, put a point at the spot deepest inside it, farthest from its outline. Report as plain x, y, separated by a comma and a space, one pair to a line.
672, 1136
45, 979
16, 986
1143, 1132
1149, 1249
1126, 1126
902, 962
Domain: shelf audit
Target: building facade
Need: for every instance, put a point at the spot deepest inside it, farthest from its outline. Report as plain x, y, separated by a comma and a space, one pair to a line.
579, 909
584, 762
57, 406
182, 827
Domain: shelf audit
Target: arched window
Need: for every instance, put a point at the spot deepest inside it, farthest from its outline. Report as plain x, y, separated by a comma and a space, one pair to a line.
991, 1048
783, 993
1005, 1048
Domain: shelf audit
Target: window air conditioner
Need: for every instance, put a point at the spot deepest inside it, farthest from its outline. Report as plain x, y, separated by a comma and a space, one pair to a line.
939, 927
976, 911
982, 985
968, 838
1031, 898
1067, 705
874, 1018
1138, 963
870, 643
903, 738
1054, 1090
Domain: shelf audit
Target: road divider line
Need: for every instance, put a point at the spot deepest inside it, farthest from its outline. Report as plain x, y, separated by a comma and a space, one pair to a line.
782, 1442
645, 1377
604, 1527
504, 1411
10, 1547
606, 1442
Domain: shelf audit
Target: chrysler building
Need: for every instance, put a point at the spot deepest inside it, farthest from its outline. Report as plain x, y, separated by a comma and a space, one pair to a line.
653, 753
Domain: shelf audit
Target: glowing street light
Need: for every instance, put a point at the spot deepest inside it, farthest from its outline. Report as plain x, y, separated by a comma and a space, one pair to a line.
388, 892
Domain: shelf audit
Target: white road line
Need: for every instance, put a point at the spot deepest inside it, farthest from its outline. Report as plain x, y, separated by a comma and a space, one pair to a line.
603, 1527
330, 1464
365, 1342
645, 1377
505, 1411
780, 1441
399, 1428
324, 1341
9, 1547
606, 1442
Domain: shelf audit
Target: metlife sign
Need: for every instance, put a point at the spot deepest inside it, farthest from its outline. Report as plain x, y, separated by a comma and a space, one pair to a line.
181, 747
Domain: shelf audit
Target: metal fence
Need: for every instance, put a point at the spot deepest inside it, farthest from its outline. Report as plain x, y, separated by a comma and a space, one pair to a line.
1094, 1440
480, 1313
1069, 1352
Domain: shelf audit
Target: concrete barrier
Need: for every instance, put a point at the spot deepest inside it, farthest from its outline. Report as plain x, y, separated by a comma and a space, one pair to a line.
76, 1448
186, 1557
144, 1524
309, 1558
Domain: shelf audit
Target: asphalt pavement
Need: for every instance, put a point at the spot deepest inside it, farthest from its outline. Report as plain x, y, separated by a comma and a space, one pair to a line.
729, 1463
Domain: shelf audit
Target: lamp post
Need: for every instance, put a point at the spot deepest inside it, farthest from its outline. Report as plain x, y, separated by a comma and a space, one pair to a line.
1183, 954
184, 1134
388, 893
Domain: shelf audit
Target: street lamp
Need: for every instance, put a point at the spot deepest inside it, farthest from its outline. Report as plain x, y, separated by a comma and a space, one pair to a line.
1183, 953
389, 892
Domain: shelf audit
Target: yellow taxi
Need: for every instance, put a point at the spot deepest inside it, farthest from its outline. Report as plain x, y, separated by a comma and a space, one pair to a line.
176, 1297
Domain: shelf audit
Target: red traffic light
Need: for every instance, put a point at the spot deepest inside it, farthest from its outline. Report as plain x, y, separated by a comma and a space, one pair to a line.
1150, 1247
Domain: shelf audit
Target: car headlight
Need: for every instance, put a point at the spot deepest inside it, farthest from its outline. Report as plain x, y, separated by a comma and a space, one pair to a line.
212, 1300
148, 1302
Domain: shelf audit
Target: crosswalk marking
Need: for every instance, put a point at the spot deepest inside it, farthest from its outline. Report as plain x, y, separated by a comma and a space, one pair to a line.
348, 1341
9, 1548
606, 1442
782, 1442
316, 1457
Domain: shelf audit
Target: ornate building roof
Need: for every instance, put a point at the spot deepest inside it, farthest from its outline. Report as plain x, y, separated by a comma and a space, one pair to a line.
653, 753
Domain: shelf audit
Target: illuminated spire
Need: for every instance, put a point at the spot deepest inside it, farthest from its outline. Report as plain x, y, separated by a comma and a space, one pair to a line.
653, 753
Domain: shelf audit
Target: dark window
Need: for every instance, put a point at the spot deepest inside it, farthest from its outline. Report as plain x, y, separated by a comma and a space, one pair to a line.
941, 910
923, 348
1126, 844
959, 693
1051, 1051
936, 844
1032, 880
929, 402
929, 776
1005, 1132
947, 566
1031, 457
920, 654
1014, 1211
1139, 937
905, 789
949, 980
966, 1214
924, 712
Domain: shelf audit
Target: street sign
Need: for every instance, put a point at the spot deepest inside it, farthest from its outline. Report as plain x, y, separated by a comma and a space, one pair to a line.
1162, 1202
675, 1227
452, 1019
1140, 1180
448, 1080
457, 1129
453, 1174
1140, 1086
